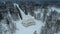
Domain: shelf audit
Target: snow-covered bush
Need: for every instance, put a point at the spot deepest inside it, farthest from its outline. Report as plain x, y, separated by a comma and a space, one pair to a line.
28, 22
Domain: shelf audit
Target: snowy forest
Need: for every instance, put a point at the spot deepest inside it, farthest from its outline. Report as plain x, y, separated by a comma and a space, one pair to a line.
29, 17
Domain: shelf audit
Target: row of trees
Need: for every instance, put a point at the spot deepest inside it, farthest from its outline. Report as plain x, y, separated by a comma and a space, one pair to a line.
7, 10
51, 23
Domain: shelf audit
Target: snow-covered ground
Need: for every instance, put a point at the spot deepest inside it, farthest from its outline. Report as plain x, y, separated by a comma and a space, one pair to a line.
27, 30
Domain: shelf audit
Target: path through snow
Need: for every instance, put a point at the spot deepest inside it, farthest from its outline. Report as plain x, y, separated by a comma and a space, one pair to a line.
30, 29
